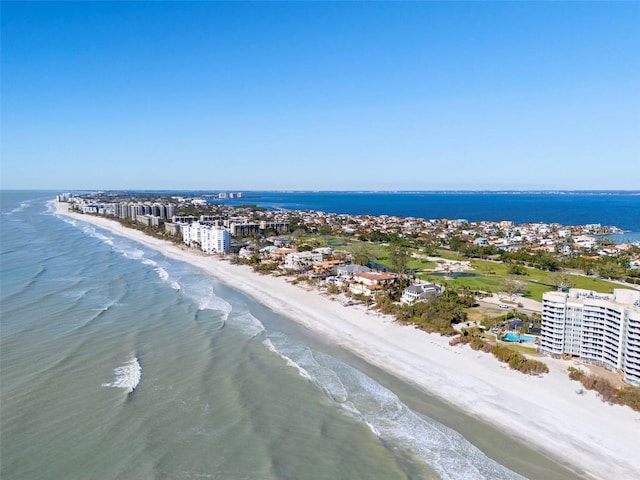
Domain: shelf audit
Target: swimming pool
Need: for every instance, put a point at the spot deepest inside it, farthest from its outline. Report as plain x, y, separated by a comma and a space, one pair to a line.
512, 337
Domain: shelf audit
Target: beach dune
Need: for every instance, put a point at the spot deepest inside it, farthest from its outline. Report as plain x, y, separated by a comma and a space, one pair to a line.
594, 438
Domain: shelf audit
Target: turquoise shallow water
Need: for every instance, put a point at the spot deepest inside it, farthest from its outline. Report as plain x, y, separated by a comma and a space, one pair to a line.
117, 362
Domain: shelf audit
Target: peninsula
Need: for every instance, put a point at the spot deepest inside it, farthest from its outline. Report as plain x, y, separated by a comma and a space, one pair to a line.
595, 439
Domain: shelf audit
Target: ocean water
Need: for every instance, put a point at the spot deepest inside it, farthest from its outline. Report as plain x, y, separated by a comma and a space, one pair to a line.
118, 363
621, 209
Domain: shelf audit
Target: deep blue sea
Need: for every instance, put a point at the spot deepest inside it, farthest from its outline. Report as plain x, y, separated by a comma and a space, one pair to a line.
119, 363
620, 209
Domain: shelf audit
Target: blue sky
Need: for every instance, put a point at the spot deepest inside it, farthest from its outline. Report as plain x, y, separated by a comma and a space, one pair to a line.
320, 96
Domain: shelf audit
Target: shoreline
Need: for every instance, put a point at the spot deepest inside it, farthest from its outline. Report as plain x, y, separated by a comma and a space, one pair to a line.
588, 436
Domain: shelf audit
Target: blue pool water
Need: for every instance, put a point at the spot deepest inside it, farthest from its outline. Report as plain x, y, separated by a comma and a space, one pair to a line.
512, 337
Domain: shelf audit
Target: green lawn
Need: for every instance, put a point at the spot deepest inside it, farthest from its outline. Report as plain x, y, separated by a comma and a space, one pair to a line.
416, 264
447, 254
519, 348
492, 273
487, 284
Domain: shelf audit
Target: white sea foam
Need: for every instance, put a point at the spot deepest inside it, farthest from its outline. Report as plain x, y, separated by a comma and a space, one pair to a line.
303, 358
269, 344
162, 273
133, 253
213, 302
92, 232
248, 324
290, 363
199, 289
365, 400
19, 208
445, 450
373, 429
123, 248
51, 207
126, 376
69, 221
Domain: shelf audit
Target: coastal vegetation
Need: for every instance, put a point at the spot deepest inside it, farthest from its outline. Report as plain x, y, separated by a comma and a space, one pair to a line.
438, 314
628, 395
504, 353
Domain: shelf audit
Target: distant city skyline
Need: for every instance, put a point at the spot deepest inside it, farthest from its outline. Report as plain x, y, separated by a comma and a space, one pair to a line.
242, 96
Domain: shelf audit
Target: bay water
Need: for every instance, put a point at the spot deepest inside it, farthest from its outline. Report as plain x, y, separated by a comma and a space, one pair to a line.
119, 363
609, 208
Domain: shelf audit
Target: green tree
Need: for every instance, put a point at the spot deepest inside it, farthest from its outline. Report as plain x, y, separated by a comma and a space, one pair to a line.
455, 243
560, 280
611, 269
399, 257
362, 254
545, 261
513, 287
517, 270
325, 229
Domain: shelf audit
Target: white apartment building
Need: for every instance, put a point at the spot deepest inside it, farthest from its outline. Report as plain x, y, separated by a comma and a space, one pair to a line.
210, 238
600, 328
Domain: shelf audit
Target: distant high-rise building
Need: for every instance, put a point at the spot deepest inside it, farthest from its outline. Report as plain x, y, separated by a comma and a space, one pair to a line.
135, 210
170, 210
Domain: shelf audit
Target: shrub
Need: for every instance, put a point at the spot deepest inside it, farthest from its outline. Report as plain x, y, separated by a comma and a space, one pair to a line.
476, 343
630, 396
534, 367
575, 373
517, 361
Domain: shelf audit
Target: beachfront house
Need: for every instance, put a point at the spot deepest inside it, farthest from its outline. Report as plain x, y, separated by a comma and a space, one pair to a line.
420, 292
346, 272
370, 283
301, 261
325, 268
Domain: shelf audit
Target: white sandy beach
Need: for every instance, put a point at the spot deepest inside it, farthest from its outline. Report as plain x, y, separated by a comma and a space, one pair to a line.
600, 440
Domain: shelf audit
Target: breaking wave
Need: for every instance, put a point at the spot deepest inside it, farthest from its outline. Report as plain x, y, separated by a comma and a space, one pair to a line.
19, 208
365, 400
290, 363
126, 376
162, 273
247, 324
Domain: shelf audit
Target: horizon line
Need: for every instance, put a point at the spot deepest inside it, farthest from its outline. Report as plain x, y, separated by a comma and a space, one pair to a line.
293, 190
